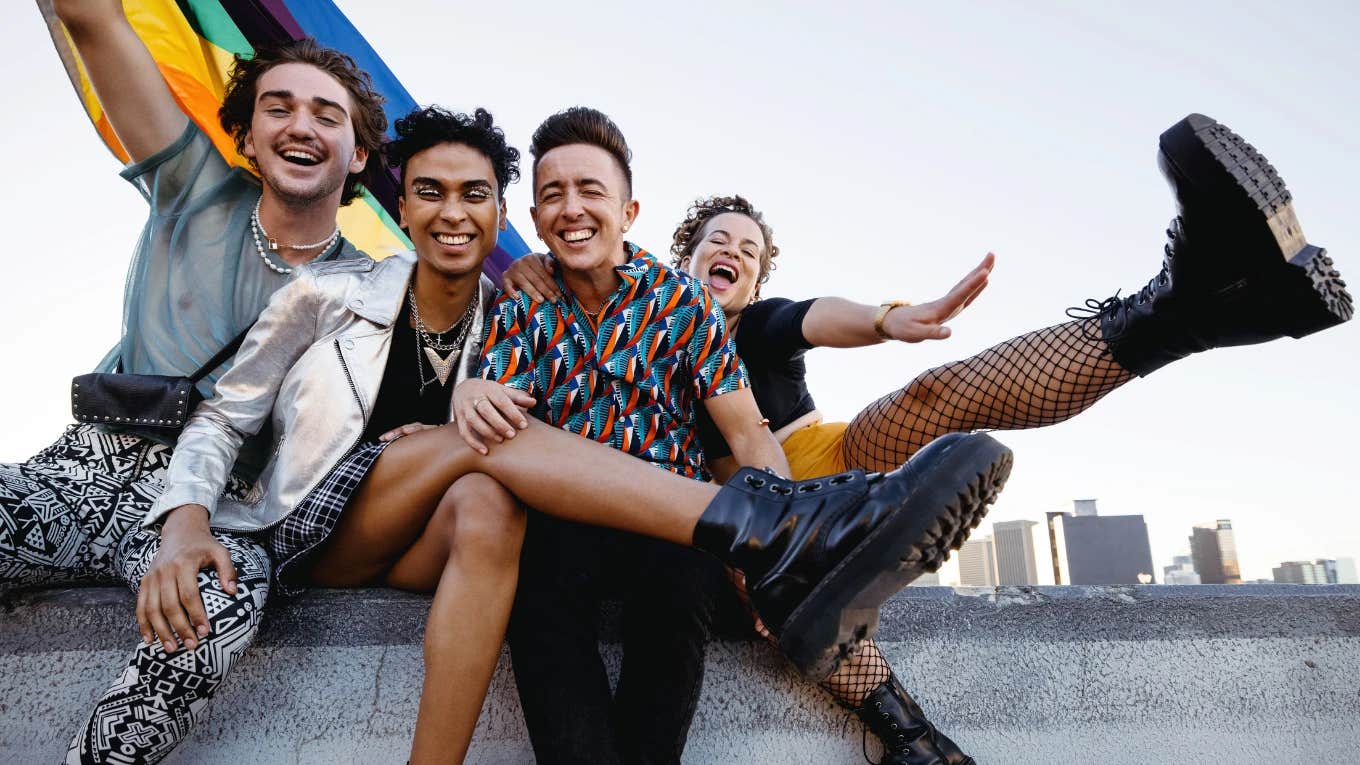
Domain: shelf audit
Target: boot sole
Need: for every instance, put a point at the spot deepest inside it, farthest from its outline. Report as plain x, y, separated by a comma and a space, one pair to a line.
1219, 161
946, 501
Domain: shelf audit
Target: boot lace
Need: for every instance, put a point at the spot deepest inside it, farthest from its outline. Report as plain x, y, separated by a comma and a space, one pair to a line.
1118, 308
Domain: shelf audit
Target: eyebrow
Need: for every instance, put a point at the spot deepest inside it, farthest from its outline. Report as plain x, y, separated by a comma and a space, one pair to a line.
287, 95
728, 234
578, 182
423, 180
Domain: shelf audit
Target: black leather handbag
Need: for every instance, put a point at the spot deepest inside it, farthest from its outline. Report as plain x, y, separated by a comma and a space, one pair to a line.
146, 401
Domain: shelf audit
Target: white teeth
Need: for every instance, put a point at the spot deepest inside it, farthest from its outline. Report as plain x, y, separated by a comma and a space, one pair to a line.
578, 236
726, 271
453, 239
300, 155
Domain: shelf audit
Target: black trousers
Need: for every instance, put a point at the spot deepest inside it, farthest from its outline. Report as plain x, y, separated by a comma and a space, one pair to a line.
666, 593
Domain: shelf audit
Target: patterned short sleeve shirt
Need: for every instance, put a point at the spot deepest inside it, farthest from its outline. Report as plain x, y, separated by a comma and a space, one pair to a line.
661, 346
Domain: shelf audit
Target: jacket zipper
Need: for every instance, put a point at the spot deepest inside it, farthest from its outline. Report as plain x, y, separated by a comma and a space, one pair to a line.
355, 392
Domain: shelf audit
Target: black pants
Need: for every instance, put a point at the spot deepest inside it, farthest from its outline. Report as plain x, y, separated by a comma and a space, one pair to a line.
666, 592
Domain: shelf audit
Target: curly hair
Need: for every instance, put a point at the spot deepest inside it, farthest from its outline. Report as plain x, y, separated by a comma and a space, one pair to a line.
582, 124
433, 125
689, 233
366, 114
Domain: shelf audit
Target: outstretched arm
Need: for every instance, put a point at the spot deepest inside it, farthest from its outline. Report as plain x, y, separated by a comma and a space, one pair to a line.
839, 323
130, 88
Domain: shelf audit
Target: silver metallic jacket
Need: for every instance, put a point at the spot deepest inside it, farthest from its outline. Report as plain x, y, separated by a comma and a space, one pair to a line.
314, 362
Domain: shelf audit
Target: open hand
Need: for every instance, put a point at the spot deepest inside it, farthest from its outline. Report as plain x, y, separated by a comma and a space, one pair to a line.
925, 321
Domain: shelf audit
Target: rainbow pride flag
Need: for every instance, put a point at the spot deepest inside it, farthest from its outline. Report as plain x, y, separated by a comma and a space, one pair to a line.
193, 42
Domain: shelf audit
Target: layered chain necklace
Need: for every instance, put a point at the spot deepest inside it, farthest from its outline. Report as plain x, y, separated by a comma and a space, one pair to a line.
432, 344
261, 237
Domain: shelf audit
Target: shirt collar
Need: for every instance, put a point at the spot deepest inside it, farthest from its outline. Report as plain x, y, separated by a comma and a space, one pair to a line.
640, 262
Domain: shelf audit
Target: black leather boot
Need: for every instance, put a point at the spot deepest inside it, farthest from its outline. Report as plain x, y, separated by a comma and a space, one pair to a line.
821, 556
891, 714
1237, 269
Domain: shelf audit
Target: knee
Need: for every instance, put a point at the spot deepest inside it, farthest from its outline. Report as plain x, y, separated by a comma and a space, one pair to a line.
481, 520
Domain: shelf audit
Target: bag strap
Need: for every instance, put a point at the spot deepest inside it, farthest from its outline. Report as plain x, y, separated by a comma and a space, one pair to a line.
222, 355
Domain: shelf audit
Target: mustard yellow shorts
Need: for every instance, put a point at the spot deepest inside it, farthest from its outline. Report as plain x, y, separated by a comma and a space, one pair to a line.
816, 450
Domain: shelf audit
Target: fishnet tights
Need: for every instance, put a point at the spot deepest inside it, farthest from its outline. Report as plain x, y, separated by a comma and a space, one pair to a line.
1033, 380
1029, 381
858, 675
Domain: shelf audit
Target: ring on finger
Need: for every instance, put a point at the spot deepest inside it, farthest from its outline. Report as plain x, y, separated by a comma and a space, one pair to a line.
476, 402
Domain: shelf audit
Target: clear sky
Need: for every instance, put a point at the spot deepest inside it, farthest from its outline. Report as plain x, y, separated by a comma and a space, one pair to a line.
890, 145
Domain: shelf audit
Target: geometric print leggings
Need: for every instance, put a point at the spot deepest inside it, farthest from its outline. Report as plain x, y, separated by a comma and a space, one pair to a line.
72, 514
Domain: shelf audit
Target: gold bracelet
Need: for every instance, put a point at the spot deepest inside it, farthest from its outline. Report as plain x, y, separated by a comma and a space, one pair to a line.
883, 310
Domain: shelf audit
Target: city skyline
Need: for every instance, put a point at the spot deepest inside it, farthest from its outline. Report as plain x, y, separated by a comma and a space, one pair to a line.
890, 146
1175, 564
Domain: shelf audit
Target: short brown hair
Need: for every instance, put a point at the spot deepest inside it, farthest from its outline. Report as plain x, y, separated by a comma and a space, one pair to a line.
686, 236
367, 117
582, 124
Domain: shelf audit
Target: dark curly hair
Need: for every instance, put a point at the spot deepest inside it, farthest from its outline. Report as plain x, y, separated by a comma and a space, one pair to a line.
366, 114
689, 233
582, 124
433, 125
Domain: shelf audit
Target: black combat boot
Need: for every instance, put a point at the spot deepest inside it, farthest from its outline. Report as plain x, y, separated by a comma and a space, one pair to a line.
891, 714
821, 556
1237, 269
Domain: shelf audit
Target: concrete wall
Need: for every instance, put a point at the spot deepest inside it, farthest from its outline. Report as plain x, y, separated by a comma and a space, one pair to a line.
1110, 675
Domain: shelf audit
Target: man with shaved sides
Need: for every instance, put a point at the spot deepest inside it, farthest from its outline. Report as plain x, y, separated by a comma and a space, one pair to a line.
217, 244
624, 358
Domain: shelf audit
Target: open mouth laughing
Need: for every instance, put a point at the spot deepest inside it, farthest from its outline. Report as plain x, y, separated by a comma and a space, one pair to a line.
722, 276
453, 240
298, 156
576, 236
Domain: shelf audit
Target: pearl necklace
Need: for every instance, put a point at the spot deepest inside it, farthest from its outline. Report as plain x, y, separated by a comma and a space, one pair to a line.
260, 235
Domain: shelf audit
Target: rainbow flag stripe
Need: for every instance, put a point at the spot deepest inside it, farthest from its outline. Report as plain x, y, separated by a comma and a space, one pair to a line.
193, 42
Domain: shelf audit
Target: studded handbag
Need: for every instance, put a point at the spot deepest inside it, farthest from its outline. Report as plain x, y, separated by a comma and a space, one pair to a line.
144, 401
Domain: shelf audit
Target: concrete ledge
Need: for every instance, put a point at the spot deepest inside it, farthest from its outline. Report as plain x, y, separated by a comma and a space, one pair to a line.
1137, 674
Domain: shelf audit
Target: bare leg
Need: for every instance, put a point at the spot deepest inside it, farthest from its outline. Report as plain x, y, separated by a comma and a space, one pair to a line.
556, 472
469, 555
1030, 381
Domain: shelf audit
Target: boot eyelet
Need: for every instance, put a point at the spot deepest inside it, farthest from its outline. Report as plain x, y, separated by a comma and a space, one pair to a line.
808, 488
755, 483
781, 490
840, 479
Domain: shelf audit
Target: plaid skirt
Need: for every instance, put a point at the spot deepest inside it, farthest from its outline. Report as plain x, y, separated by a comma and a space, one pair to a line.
292, 541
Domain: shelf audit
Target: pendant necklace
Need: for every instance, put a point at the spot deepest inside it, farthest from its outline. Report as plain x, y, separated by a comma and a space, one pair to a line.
433, 346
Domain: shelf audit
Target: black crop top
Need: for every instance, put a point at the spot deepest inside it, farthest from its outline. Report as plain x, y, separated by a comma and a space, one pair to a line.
769, 340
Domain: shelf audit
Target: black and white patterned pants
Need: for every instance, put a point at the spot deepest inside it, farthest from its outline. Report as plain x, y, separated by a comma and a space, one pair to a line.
72, 514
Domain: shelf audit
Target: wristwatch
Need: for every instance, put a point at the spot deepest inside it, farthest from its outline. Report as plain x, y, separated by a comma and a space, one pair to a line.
883, 310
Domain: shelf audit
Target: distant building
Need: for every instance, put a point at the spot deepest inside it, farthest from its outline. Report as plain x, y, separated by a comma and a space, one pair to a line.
926, 580
977, 563
1084, 507
1181, 571
1099, 549
1320, 571
1014, 546
1341, 571
1215, 552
